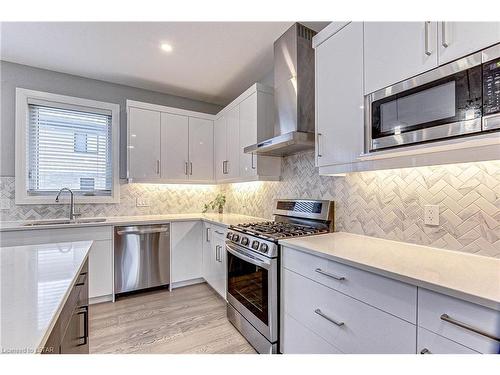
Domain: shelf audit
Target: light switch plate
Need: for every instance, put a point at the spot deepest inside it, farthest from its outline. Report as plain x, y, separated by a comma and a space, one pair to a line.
431, 214
142, 202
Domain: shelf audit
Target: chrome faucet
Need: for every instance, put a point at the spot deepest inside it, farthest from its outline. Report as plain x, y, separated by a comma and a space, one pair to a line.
72, 213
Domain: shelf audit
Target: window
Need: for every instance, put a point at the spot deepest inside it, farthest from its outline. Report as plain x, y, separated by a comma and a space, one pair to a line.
65, 142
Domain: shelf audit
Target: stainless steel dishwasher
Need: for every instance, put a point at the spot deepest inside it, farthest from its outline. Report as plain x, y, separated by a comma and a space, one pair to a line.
142, 257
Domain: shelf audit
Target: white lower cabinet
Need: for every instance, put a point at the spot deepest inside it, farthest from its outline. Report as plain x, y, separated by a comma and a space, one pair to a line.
214, 257
460, 321
186, 252
349, 325
430, 343
100, 255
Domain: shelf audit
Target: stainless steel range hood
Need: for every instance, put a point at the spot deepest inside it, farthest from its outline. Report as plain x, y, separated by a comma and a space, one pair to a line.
293, 95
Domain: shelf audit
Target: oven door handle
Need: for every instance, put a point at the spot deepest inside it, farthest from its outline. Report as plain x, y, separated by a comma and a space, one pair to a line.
242, 254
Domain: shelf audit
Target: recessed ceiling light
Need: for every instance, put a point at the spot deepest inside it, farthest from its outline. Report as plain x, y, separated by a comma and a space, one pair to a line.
166, 47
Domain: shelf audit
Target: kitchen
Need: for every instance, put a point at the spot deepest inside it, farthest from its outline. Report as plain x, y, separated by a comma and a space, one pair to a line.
339, 195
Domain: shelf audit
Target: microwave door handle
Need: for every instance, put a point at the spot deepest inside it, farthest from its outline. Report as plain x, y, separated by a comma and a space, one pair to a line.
247, 257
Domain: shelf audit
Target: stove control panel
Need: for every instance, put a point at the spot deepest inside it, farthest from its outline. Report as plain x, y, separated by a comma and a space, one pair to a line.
254, 243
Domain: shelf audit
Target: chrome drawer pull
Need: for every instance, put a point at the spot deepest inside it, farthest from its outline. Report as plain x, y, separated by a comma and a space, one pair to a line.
340, 278
447, 318
425, 351
339, 324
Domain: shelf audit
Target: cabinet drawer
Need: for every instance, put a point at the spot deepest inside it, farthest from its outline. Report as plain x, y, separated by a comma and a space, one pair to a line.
297, 339
386, 294
430, 343
431, 307
365, 329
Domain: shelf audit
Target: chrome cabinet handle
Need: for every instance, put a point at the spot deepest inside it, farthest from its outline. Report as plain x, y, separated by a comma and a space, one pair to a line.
318, 152
427, 42
340, 278
425, 351
224, 167
216, 231
444, 41
468, 327
186, 168
157, 167
253, 166
336, 322
208, 234
191, 168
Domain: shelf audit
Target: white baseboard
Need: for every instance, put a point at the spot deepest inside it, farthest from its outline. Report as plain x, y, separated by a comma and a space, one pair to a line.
101, 299
180, 284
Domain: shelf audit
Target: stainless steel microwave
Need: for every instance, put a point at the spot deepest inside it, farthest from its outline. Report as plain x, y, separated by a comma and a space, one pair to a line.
457, 99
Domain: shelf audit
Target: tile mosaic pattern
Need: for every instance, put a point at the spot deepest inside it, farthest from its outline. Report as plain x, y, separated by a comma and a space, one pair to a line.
389, 204
385, 204
163, 199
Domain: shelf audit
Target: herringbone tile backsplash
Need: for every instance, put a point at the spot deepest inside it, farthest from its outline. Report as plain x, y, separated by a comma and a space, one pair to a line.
386, 204
389, 204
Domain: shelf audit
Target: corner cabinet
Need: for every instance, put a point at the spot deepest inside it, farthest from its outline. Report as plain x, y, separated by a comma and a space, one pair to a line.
169, 145
339, 95
214, 257
245, 121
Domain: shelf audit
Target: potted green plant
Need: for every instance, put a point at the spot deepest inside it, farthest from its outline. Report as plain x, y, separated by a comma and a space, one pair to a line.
219, 202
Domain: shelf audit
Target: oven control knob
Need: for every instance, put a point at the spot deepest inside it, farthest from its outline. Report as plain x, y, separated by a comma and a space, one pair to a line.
236, 237
255, 245
264, 248
244, 241
229, 235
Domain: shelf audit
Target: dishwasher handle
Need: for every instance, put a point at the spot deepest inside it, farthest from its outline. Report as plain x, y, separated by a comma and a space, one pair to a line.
142, 231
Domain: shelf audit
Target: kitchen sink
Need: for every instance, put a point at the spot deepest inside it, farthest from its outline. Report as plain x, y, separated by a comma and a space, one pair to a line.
63, 221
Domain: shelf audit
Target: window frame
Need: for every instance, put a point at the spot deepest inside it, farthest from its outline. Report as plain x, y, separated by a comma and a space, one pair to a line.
22, 124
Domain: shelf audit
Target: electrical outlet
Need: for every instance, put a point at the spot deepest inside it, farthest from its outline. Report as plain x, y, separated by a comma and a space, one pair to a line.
431, 214
142, 202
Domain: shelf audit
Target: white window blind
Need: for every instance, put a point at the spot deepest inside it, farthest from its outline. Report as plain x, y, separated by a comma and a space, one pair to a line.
68, 146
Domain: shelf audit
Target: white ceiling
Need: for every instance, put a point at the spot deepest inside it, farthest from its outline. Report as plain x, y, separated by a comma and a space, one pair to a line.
211, 61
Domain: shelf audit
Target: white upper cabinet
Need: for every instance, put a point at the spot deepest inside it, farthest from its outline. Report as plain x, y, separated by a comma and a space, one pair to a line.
175, 141
220, 144
256, 124
201, 149
144, 137
233, 143
395, 51
457, 39
169, 144
339, 96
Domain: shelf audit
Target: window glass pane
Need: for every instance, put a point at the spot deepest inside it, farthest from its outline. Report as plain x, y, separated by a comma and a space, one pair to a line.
68, 148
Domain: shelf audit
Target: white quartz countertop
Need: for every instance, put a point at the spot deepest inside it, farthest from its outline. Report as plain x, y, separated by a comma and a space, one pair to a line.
220, 219
470, 277
35, 282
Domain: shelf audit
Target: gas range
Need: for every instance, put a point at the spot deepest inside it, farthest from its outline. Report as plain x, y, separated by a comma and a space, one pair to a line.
263, 236
253, 266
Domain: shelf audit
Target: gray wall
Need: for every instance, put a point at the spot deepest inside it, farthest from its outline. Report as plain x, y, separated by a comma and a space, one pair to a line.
16, 75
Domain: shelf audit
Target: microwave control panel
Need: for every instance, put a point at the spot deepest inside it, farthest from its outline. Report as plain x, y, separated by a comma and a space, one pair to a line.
491, 87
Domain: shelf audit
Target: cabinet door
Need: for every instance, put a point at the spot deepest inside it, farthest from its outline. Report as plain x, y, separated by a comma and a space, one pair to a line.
219, 251
175, 141
75, 338
395, 51
457, 39
207, 253
186, 250
339, 97
430, 343
233, 142
220, 144
201, 149
144, 144
248, 135
101, 269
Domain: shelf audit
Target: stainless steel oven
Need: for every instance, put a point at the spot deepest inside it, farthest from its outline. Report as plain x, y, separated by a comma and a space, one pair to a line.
252, 291
457, 99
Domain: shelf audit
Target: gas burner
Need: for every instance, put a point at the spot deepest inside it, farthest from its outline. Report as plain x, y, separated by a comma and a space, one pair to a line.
278, 230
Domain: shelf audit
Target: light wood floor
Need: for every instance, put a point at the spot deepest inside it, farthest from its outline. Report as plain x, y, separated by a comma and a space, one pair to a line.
187, 320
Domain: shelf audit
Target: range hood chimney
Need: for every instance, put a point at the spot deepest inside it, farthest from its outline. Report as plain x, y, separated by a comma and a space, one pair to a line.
293, 95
